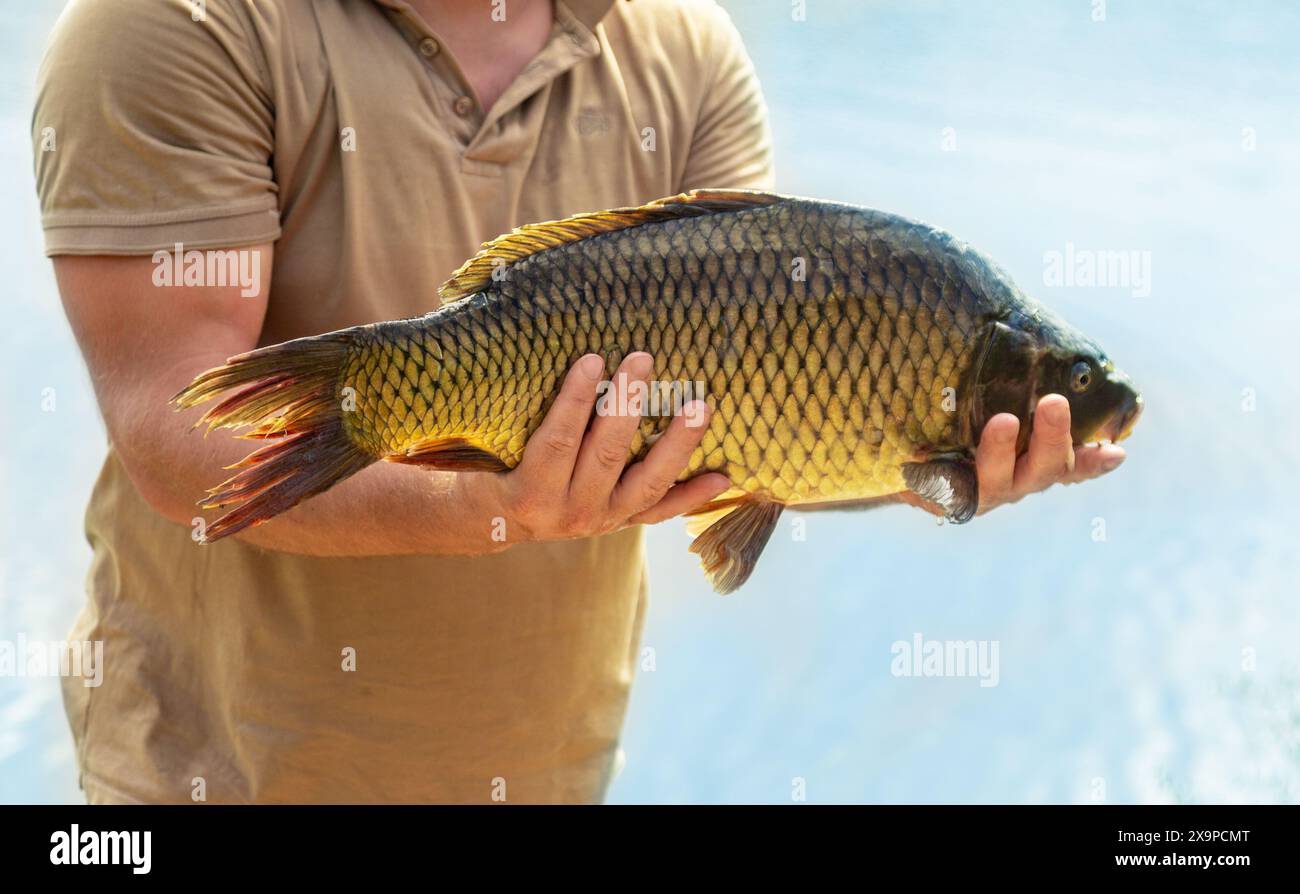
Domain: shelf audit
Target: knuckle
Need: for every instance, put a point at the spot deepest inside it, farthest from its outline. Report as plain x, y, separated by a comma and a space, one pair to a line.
610, 456
1052, 467
528, 524
605, 525
693, 434
575, 400
642, 518
572, 524
526, 529
527, 508
1056, 434
653, 491
561, 442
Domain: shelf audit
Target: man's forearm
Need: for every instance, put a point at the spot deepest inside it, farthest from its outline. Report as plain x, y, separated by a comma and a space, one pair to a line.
388, 509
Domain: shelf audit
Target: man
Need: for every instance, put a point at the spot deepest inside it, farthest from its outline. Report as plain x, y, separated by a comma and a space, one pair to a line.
376, 643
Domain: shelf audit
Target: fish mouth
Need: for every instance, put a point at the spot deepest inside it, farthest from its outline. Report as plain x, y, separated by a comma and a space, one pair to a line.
1120, 424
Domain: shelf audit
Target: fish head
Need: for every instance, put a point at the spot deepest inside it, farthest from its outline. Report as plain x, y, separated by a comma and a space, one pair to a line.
1104, 402
1029, 354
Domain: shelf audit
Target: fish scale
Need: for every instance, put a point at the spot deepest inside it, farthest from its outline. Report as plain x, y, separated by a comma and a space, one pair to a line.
788, 364
848, 355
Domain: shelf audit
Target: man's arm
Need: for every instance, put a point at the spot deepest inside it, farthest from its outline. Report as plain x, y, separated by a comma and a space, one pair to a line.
143, 343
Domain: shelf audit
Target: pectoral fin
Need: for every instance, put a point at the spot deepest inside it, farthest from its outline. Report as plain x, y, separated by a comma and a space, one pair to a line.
450, 455
729, 548
948, 480
847, 505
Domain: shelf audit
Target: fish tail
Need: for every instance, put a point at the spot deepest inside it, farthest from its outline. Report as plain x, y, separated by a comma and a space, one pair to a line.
289, 394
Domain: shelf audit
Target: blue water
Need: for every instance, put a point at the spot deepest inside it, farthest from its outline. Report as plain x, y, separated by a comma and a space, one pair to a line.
1156, 665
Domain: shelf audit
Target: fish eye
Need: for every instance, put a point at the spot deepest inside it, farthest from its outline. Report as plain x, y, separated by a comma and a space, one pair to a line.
1081, 376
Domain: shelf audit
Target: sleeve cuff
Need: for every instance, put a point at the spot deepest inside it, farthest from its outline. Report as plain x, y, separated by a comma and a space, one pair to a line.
101, 233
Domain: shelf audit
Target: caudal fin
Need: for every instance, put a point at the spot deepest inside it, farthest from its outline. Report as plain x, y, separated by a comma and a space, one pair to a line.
289, 394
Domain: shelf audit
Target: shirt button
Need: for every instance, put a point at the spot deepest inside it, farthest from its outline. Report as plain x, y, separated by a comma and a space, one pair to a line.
462, 106
429, 47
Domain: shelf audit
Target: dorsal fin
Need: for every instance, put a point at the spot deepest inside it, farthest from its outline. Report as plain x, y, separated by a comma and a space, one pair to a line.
519, 243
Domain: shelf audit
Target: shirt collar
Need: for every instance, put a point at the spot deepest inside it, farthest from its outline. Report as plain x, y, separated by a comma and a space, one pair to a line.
589, 12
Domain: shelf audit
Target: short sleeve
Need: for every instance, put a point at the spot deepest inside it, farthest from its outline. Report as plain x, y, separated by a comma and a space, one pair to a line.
732, 143
153, 125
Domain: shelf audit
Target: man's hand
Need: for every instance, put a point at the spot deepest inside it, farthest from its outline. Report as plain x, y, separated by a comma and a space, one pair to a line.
1051, 458
575, 482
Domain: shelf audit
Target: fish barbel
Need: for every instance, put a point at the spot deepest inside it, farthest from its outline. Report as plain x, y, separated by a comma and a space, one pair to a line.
848, 354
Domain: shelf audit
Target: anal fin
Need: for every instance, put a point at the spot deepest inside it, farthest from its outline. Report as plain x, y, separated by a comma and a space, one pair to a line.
450, 454
701, 518
729, 547
949, 480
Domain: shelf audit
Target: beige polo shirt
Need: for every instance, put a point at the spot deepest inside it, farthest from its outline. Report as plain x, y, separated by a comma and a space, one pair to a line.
344, 131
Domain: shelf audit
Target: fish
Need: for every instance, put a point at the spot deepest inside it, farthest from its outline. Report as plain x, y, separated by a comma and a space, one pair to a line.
848, 355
